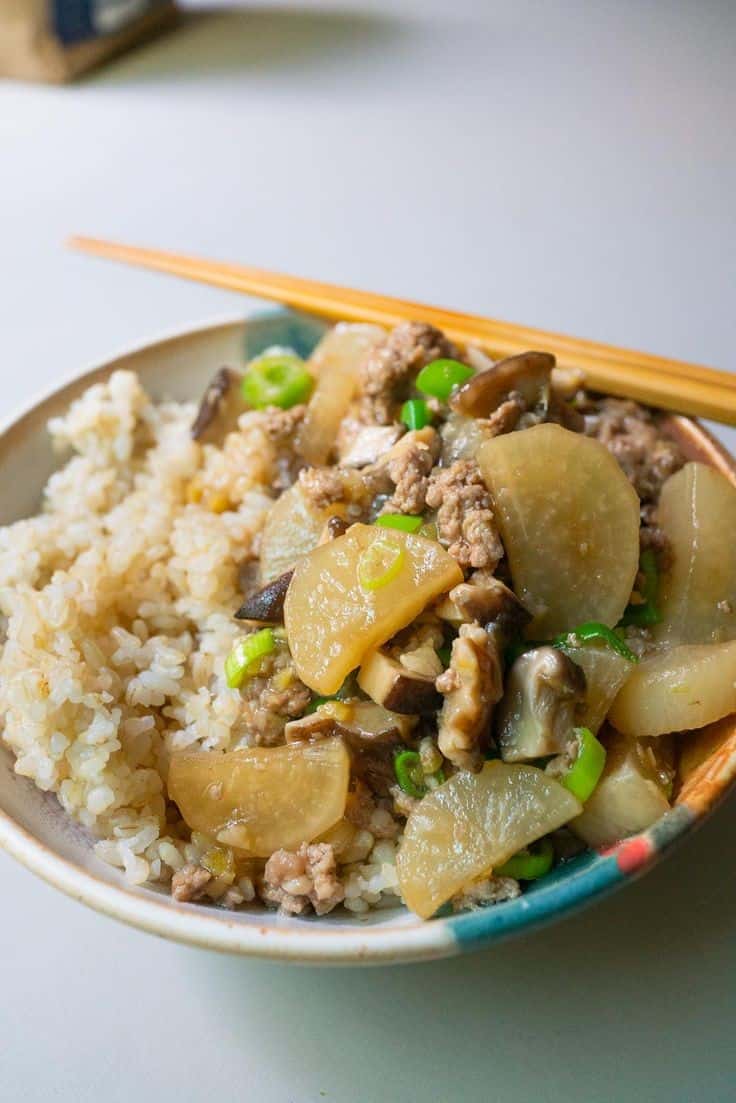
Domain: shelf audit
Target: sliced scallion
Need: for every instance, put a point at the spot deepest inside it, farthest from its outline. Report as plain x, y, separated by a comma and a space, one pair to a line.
404, 522
529, 864
439, 378
245, 657
380, 563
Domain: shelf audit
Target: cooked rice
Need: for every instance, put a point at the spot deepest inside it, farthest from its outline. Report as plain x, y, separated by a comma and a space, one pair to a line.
117, 602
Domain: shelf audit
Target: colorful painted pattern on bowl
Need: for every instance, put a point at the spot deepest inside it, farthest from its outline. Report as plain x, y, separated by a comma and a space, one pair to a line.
35, 830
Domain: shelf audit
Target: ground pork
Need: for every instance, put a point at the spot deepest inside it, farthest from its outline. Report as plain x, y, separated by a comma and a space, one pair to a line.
279, 427
363, 811
190, 883
387, 374
471, 685
506, 417
325, 486
633, 437
409, 464
491, 890
297, 881
464, 515
271, 697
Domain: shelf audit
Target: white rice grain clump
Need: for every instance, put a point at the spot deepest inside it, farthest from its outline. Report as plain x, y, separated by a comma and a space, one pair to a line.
117, 604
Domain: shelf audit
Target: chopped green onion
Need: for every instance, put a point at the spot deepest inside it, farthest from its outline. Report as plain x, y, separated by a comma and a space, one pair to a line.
405, 522
246, 655
380, 563
592, 631
445, 654
411, 777
409, 773
277, 378
530, 863
585, 772
646, 613
346, 692
415, 413
440, 378
316, 703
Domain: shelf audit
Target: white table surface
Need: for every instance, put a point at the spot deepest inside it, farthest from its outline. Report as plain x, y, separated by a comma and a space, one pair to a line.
568, 165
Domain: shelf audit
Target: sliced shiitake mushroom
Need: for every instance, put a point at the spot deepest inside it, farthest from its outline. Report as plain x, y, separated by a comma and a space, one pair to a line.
372, 734
356, 721
528, 373
395, 687
544, 689
486, 601
267, 604
220, 408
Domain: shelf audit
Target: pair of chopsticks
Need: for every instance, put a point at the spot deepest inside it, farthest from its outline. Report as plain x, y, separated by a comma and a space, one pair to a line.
671, 384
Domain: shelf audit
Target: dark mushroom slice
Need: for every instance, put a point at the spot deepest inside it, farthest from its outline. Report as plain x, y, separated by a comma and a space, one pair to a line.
487, 601
372, 734
396, 688
358, 722
565, 415
544, 691
267, 604
220, 408
528, 374
373, 763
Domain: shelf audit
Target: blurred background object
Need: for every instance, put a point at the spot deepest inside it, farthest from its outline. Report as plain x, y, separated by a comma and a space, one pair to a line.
56, 40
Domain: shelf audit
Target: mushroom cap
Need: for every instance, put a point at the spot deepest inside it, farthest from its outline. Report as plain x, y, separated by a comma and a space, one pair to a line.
528, 373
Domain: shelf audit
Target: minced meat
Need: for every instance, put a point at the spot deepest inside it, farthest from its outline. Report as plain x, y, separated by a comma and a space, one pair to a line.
302, 880
409, 465
326, 486
387, 374
465, 520
506, 417
630, 434
190, 883
271, 697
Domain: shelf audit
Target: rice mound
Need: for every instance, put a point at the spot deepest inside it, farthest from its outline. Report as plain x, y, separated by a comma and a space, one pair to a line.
117, 604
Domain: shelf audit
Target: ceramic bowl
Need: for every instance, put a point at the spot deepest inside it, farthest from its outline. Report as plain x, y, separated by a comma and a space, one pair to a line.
34, 829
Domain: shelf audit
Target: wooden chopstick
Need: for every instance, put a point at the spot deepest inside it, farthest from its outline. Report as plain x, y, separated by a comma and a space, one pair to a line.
672, 384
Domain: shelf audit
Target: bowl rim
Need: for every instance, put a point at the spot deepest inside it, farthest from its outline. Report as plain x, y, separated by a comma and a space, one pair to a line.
312, 941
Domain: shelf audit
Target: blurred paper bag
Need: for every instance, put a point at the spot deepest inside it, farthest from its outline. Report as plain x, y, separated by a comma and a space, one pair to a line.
55, 40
